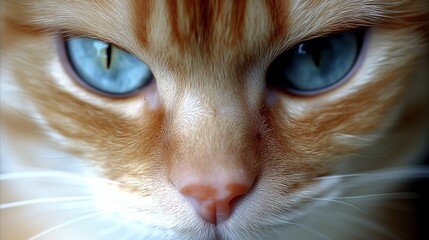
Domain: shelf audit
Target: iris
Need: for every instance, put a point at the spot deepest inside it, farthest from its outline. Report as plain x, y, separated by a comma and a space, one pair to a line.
105, 68
315, 65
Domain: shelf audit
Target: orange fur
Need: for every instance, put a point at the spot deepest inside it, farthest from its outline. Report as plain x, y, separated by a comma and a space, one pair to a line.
210, 110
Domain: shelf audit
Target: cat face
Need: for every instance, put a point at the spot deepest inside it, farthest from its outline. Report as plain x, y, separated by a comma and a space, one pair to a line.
208, 147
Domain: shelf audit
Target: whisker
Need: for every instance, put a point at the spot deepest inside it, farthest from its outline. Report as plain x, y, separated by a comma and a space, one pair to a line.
20, 113
42, 174
55, 158
375, 155
344, 176
280, 236
398, 195
72, 221
257, 235
341, 202
44, 200
404, 173
317, 233
109, 231
370, 224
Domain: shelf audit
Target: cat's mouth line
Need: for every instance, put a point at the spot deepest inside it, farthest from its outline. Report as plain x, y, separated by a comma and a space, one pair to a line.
304, 202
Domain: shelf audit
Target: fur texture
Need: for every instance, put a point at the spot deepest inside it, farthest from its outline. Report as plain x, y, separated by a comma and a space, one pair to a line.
325, 167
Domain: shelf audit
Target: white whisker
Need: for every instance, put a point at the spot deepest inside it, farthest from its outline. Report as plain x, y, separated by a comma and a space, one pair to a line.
50, 174
317, 233
344, 176
62, 225
257, 235
45, 200
109, 231
402, 173
370, 224
280, 236
341, 202
55, 158
399, 195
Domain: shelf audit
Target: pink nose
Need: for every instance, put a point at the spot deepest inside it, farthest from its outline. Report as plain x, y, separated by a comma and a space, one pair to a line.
214, 201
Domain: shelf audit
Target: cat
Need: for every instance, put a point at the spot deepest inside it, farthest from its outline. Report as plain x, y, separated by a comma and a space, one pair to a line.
253, 119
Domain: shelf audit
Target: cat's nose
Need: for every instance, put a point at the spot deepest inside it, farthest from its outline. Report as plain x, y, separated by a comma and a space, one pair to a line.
214, 201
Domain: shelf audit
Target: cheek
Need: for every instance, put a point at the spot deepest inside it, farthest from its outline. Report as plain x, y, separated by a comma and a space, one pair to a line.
314, 137
116, 143
110, 132
103, 137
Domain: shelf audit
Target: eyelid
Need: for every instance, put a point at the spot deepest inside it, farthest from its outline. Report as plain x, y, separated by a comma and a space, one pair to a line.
66, 34
291, 45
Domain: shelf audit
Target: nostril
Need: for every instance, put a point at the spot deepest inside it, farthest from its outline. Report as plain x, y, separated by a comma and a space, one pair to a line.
199, 192
214, 202
237, 190
234, 200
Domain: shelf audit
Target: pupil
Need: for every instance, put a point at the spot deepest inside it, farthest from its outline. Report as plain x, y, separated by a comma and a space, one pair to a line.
316, 57
109, 55
314, 48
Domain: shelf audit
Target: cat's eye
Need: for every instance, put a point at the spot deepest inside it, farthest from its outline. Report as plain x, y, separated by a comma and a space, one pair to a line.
316, 65
105, 68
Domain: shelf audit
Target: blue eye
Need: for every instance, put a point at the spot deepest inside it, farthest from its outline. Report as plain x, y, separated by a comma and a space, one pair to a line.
317, 65
105, 68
